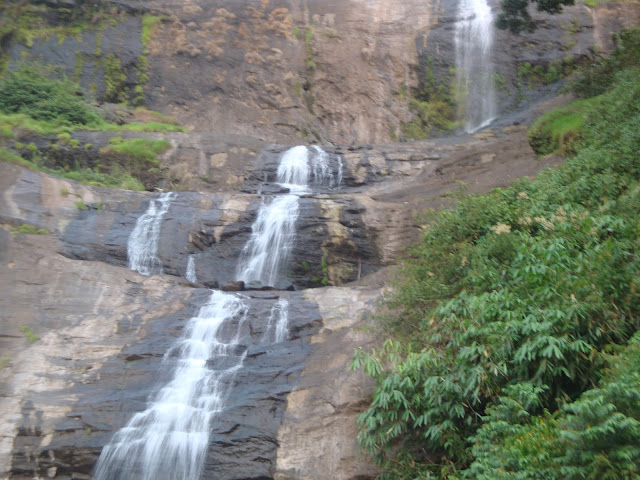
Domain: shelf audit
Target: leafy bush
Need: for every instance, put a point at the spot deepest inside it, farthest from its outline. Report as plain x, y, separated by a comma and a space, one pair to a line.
136, 156
597, 77
29, 92
502, 317
558, 131
597, 436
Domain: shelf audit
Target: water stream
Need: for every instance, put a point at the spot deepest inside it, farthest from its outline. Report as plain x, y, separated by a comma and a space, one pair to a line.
142, 247
474, 64
277, 324
190, 275
265, 255
169, 439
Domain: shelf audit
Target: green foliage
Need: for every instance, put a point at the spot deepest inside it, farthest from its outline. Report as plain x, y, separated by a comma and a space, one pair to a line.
117, 177
146, 127
79, 65
64, 138
24, 22
545, 74
325, 272
4, 362
597, 436
558, 130
433, 106
24, 122
6, 156
149, 23
80, 205
115, 80
29, 230
502, 317
598, 76
516, 18
308, 36
28, 333
136, 156
29, 92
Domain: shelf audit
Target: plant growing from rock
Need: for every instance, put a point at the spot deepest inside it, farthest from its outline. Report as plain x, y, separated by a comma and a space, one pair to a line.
29, 230
498, 363
28, 333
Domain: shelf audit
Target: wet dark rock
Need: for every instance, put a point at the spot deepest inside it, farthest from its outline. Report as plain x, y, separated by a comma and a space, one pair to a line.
232, 286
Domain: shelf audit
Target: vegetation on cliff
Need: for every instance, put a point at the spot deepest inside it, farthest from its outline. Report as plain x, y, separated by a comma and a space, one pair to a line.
513, 350
35, 104
515, 15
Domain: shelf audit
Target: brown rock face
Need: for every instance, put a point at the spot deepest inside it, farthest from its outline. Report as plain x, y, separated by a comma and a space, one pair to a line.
343, 72
84, 337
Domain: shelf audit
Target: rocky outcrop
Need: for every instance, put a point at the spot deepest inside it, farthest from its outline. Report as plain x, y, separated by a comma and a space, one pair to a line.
99, 336
83, 337
320, 419
288, 71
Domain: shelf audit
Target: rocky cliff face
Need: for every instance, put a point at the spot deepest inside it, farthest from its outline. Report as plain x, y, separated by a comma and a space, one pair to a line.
83, 337
315, 70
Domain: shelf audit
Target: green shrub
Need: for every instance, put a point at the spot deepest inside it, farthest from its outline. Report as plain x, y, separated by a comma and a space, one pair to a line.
558, 130
64, 138
596, 436
6, 156
149, 23
115, 80
29, 230
137, 157
80, 205
29, 92
502, 317
598, 76
147, 127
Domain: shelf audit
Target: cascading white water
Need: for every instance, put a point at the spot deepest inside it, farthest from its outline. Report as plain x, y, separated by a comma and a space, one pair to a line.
190, 275
322, 171
142, 247
273, 232
278, 322
271, 241
168, 441
293, 171
474, 64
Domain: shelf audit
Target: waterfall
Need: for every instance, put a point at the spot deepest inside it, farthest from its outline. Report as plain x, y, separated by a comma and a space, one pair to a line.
190, 275
168, 440
474, 64
322, 170
142, 247
277, 324
293, 171
273, 232
271, 241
